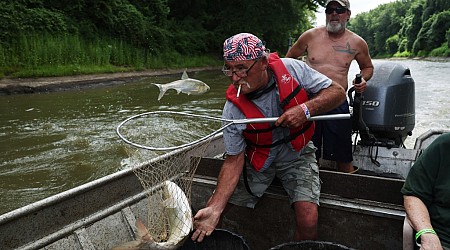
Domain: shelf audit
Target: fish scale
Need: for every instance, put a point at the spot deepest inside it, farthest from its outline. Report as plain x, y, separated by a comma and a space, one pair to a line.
186, 85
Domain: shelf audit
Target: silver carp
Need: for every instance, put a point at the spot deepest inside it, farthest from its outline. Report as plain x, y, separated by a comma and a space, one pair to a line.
185, 85
179, 214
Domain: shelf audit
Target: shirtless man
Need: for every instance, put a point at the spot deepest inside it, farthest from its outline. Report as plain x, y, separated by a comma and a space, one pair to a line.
330, 50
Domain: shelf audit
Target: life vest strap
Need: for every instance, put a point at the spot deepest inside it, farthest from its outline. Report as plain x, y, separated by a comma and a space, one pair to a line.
256, 131
290, 97
281, 141
247, 186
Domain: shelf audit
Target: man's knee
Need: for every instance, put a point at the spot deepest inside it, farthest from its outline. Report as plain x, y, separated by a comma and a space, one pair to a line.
306, 214
306, 221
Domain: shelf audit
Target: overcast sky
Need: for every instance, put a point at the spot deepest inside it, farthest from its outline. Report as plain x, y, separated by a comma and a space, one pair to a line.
356, 6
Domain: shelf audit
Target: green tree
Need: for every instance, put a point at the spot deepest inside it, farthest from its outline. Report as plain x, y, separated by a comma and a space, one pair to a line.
432, 33
392, 44
420, 25
274, 21
376, 27
412, 23
433, 7
447, 35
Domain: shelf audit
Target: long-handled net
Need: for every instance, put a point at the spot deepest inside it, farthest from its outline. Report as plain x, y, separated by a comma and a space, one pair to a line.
166, 174
178, 141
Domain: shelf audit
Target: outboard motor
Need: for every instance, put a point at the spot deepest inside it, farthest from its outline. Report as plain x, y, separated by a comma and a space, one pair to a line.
388, 106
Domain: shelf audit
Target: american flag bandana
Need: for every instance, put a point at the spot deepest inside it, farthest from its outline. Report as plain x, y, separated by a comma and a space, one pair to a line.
243, 46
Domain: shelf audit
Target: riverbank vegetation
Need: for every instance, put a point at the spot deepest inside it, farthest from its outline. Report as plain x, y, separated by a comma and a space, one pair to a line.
67, 37
40, 55
41, 37
406, 28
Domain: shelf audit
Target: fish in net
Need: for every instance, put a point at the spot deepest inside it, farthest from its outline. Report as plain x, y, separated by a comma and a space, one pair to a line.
166, 175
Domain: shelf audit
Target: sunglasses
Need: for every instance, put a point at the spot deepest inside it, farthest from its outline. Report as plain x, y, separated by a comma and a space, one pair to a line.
339, 10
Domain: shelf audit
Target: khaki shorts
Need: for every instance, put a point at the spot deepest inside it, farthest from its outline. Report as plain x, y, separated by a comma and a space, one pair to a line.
300, 179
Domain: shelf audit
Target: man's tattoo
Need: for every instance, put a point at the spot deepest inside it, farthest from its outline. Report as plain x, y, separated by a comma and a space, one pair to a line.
345, 49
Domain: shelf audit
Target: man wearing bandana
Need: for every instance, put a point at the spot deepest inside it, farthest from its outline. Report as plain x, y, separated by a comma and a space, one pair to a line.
264, 85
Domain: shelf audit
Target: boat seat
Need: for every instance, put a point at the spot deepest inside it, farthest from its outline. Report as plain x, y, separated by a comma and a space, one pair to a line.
408, 235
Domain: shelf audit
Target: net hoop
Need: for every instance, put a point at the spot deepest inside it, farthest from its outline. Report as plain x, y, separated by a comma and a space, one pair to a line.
202, 139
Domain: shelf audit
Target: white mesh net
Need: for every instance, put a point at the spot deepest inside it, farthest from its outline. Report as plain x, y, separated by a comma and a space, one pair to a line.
167, 177
169, 182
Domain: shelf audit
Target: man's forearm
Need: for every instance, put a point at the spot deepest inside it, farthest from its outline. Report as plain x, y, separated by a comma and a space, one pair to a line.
226, 182
367, 73
417, 213
326, 100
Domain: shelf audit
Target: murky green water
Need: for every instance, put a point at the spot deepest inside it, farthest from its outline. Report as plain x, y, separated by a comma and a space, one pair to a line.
56, 141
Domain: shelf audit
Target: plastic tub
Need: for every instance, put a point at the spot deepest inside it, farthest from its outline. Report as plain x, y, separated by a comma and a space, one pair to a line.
220, 239
310, 245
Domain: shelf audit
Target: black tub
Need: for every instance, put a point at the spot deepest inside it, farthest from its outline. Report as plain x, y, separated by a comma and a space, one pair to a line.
220, 239
310, 245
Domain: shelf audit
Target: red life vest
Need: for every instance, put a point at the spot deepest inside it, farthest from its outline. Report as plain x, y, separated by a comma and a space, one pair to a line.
259, 135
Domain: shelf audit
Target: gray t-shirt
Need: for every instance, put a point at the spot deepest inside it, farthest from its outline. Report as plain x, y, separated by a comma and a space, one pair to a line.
269, 104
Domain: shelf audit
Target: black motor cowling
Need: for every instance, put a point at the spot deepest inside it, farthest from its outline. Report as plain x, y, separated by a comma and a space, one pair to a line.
388, 106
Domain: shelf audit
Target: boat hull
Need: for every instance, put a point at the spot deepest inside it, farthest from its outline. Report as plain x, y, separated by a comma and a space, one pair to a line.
362, 211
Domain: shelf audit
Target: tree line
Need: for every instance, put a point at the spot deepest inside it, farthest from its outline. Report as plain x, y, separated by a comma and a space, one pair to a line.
138, 33
406, 28
39, 34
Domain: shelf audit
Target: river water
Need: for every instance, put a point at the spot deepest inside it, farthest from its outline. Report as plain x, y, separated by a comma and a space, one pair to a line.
51, 142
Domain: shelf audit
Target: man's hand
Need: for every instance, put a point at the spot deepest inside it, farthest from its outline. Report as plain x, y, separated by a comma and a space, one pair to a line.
360, 87
205, 221
292, 118
430, 241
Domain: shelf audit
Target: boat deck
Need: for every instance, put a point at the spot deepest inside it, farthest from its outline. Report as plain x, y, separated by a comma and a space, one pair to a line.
361, 211
357, 211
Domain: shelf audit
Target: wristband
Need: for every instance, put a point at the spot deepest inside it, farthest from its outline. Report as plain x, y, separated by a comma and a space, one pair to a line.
306, 110
424, 231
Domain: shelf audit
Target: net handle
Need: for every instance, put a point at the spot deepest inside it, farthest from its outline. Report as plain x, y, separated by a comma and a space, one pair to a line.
273, 119
230, 122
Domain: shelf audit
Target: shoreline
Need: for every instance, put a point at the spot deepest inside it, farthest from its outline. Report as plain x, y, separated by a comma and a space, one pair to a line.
11, 86
430, 59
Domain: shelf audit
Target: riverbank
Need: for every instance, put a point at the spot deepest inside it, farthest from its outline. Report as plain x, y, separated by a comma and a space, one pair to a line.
430, 59
10, 86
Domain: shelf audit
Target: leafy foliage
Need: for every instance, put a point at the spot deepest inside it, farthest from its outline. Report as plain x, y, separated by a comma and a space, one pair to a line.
146, 29
432, 33
186, 26
415, 27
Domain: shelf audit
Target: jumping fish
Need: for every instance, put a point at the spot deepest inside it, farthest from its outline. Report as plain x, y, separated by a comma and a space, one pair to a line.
185, 85
179, 215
